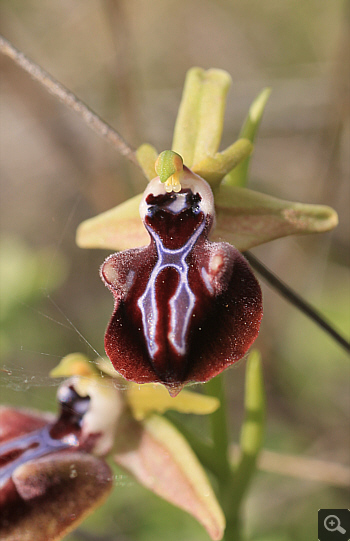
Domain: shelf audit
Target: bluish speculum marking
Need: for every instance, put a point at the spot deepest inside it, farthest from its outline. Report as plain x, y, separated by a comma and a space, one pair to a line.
31, 447
52, 437
182, 302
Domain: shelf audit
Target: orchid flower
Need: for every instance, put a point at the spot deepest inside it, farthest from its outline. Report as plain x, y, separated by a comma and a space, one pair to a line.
186, 307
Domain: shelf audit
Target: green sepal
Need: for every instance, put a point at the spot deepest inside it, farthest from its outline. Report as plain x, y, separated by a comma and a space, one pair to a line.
119, 228
246, 218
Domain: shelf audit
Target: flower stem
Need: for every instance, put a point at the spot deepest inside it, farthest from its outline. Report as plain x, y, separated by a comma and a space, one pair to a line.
233, 482
215, 387
251, 441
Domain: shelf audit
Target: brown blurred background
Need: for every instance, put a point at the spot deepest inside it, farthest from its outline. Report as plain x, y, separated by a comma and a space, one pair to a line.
127, 60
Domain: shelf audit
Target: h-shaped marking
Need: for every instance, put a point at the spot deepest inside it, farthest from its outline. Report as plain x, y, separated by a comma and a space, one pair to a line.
181, 303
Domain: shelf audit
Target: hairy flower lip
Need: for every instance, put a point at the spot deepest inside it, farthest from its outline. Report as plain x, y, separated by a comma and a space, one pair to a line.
185, 308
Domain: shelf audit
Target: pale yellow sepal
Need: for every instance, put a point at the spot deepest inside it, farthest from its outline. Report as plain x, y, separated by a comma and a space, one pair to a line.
150, 397
74, 364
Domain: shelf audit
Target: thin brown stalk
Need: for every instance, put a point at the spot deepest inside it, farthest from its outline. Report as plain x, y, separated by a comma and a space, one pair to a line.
69, 99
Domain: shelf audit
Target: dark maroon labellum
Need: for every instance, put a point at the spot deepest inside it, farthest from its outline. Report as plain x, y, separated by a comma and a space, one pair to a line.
185, 307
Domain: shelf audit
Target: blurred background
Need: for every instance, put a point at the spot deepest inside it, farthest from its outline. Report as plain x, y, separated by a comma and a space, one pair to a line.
127, 59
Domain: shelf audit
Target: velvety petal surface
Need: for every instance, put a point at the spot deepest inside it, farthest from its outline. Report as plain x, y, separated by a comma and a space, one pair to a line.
185, 308
50, 497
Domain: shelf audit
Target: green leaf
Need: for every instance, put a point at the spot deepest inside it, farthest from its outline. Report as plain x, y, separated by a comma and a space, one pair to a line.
159, 458
247, 218
199, 123
239, 175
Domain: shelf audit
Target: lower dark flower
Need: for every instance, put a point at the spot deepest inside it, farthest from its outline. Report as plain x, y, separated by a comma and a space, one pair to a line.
48, 482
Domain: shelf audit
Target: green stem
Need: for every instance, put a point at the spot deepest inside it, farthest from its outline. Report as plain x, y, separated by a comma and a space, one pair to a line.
251, 441
215, 387
233, 483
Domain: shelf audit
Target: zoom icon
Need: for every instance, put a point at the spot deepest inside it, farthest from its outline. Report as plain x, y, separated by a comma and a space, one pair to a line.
334, 524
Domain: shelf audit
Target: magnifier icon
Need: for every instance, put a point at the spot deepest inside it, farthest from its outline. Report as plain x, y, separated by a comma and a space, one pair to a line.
332, 524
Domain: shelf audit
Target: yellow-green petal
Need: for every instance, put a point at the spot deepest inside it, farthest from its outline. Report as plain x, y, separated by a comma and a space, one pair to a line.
74, 364
214, 168
149, 397
146, 156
